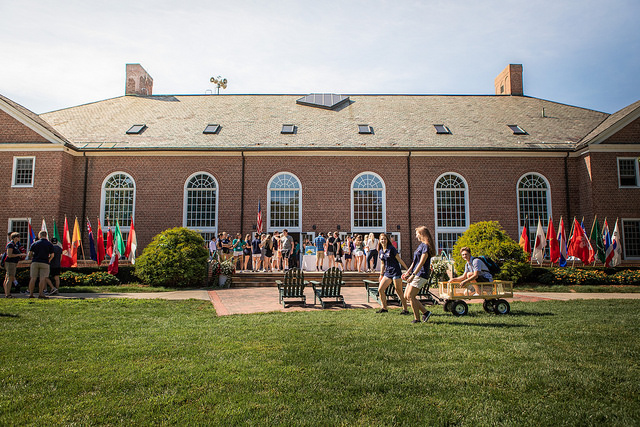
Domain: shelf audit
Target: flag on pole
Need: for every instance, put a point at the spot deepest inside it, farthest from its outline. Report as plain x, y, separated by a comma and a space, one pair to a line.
100, 242
554, 246
562, 243
132, 244
541, 243
113, 263
56, 235
44, 226
596, 240
524, 241
92, 246
616, 259
32, 235
579, 245
110, 243
259, 226
608, 247
118, 240
66, 260
75, 243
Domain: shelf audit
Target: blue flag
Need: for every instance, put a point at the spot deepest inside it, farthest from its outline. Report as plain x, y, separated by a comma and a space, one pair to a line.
92, 245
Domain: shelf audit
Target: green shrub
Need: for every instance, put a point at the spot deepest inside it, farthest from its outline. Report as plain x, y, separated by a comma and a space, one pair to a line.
489, 238
627, 277
175, 258
101, 278
574, 276
72, 278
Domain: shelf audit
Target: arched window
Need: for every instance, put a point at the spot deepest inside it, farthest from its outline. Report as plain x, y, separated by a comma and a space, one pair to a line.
368, 203
201, 204
118, 200
452, 210
534, 201
284, 204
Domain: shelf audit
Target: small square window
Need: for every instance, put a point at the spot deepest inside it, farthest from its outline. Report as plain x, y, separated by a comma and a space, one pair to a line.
23, 169
517, 130
628, 172
441, 129
288, 129
211, 129
365, 129
136, 129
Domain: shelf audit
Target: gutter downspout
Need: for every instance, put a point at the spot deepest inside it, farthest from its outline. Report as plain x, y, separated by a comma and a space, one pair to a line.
566, 186
242, 197
409, 201
84, 194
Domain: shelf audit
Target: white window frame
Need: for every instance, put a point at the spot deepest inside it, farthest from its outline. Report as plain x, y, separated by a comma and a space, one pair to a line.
624, 242
123, 229
368, 230
24, 242
297, 229
435, 208
637, 167
33, 172
213, 229
533, 222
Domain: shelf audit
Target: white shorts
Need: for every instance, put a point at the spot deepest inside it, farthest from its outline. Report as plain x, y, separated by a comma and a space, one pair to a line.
418, 282
237, 253
358, 252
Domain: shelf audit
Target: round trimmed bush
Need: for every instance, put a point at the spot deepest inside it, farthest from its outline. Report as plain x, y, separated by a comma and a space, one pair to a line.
489, 238
175, 258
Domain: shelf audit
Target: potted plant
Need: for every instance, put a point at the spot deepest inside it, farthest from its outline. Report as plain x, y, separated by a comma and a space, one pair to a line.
227, 269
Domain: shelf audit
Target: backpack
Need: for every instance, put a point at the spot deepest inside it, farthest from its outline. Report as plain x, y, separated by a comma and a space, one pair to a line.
491, 265
3, 259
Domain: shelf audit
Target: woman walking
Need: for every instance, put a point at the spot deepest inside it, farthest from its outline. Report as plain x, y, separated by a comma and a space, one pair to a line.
417, 275
390, 273
372, 252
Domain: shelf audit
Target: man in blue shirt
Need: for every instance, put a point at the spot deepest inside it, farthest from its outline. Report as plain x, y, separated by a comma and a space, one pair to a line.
41, 255
320, 243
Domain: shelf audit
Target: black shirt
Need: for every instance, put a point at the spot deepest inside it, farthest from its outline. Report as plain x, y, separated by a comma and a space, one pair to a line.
41, 250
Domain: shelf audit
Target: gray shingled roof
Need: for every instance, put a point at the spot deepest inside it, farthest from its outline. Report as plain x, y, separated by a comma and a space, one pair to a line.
255, 121
611, 121
32, 116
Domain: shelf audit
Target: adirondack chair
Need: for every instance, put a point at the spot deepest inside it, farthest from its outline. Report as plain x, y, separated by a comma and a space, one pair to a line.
330, 287
372, 291
292, 286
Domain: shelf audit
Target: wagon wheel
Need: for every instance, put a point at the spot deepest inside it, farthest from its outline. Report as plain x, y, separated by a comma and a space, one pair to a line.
489, 306
447, 305
459, 308
502, 307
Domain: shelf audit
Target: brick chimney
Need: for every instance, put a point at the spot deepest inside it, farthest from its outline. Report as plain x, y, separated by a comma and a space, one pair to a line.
509, 81
139, 82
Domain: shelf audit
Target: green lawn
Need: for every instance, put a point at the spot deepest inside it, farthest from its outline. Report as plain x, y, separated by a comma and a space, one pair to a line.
526, 287
115, 361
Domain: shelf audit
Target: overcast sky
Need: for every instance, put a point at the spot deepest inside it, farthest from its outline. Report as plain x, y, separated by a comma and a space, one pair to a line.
57, 54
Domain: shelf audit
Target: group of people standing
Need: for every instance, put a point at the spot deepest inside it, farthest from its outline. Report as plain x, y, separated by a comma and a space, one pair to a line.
354, 253
265, 252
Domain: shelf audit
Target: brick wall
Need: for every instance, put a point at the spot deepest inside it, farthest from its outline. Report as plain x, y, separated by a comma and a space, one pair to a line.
14, 131
629, 135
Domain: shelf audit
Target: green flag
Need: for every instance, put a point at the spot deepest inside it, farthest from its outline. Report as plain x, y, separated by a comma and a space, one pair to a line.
119, 239
596, 239
56, 235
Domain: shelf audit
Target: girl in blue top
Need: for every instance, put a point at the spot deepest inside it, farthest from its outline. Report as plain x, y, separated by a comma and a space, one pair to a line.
391, 273
417, 274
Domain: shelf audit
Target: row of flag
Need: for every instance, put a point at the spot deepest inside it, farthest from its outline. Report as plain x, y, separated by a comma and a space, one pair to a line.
600, 245
115, 246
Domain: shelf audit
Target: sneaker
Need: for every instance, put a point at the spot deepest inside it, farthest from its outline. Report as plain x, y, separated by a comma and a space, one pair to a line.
54, 291
404, 312
415, 321
42, 297
426, 316
382, 310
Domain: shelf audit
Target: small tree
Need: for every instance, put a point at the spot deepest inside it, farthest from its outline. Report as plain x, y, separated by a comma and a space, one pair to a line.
489, 238
174, 258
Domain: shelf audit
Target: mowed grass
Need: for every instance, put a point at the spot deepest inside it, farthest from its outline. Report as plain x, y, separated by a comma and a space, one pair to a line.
139, 362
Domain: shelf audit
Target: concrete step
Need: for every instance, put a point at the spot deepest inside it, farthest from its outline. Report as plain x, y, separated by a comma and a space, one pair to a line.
250, 279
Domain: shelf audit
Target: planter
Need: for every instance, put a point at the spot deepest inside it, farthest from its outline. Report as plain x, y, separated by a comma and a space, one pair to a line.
222, 279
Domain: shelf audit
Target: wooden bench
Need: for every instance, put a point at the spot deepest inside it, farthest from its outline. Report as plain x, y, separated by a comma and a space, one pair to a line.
372, 291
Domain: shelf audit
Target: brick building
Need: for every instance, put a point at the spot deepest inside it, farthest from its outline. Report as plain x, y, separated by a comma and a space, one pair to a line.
323, 162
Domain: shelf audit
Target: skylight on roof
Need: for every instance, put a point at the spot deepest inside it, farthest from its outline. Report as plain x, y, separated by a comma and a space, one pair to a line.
211, 129
365, 129
327, 101
441, 129
517, 130
136, 129
288, 129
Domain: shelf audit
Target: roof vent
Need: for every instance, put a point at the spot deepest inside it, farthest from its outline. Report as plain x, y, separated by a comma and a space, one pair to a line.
328, 101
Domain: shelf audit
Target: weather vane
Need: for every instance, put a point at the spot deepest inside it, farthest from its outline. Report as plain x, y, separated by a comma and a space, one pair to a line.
219, 82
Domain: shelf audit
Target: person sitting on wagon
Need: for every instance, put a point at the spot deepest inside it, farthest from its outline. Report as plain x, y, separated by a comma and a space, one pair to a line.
475, 270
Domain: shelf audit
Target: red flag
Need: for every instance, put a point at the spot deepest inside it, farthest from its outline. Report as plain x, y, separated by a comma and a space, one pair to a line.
579, 243
554, 245
132, 244
100, 243
110, 243
113, 264
259, 226
66, 260
75, 244
524, 242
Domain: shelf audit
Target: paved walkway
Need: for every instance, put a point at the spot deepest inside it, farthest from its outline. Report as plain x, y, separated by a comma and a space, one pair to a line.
265, 299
